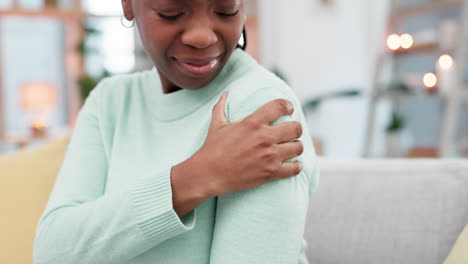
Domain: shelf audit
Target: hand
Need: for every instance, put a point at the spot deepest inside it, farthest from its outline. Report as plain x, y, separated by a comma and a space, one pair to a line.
238, 156
247, 153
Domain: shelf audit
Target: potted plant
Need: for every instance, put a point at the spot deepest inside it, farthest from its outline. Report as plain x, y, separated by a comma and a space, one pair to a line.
87, 82
393, 135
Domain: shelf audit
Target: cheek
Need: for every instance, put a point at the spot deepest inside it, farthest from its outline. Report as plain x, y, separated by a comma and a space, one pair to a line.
156, 36
232, 34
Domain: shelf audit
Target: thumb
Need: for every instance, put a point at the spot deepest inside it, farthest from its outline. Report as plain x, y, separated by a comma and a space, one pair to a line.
219, 117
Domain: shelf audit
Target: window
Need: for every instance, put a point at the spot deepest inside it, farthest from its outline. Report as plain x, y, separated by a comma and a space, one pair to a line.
112, 48
103, 7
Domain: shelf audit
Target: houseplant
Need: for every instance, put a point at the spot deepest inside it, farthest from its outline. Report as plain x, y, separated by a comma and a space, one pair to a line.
393, 135
87, 82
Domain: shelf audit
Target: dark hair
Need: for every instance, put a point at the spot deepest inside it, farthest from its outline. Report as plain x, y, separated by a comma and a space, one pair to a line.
244, 37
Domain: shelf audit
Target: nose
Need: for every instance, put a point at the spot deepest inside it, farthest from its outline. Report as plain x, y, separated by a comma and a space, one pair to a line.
199, 35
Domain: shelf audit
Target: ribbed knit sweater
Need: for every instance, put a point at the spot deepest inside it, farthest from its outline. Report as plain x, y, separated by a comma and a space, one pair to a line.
112, 200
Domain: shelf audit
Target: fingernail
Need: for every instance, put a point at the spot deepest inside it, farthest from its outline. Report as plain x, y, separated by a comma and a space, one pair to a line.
290, 106
301, 166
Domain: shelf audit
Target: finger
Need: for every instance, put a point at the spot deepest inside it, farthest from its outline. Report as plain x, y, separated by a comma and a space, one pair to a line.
290, 150
219, 115
272, 111
290, 169
287, 131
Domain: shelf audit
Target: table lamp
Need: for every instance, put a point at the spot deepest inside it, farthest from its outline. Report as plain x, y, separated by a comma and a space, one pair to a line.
50, 3
39, 98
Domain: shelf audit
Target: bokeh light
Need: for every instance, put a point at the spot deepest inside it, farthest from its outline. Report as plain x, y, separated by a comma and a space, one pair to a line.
446, 62
406, 41
430, 80
394, 42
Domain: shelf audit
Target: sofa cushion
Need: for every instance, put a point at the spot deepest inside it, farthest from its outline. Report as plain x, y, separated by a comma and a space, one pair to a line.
387, 211
459, 253
27, 178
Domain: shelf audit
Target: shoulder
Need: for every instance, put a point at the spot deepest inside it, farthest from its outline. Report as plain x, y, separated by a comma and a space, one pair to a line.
119, 91
116, 97
254, 88
119, 86
259, 86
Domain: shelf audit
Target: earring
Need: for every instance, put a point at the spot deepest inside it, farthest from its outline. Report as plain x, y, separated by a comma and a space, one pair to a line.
244, 34
126, 24
244, 40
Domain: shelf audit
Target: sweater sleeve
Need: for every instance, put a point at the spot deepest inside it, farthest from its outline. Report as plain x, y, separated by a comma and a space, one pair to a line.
266, 224
83, 224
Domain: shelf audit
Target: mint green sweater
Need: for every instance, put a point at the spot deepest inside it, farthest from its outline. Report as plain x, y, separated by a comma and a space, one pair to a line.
112, 201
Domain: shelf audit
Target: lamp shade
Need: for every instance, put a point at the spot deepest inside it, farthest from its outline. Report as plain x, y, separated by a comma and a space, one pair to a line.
38, 96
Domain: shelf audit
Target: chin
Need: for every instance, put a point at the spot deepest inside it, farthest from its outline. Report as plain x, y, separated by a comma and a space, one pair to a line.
192, 83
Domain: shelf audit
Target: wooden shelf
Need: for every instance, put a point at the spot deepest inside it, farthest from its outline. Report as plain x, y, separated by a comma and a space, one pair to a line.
407, 96
61, 14
425, 8
54, 13
399, 96
397, 22
419, 48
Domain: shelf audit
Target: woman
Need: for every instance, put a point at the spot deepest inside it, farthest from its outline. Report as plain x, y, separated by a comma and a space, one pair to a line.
164, 168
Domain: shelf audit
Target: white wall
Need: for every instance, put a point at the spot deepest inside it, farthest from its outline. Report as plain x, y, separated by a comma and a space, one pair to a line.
323, 49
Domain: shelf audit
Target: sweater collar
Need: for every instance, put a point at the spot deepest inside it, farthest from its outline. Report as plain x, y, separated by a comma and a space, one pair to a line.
178, 104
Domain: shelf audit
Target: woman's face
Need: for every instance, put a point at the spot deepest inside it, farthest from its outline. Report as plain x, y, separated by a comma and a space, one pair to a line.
189, 41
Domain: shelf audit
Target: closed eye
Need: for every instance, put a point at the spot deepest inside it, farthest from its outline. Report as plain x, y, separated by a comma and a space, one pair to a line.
170, 18
228, 14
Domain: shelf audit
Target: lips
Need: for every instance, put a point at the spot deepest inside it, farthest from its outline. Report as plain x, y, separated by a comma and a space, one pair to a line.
197, 66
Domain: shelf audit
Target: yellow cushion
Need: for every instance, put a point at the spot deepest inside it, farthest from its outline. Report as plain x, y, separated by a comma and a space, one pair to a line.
27, 178
459, 253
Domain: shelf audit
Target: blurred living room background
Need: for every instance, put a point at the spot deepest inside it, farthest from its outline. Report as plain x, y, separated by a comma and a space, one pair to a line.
376, 78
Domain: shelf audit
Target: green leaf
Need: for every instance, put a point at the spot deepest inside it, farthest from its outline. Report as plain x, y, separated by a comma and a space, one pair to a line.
396, 122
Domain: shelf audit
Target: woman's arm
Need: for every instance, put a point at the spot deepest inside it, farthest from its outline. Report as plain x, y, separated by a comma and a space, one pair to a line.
82, 224
266, 224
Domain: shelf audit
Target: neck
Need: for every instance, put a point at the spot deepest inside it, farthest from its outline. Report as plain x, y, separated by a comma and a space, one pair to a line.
167, 86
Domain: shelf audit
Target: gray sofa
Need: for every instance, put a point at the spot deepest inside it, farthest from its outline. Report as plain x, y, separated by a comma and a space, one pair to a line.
387, 211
